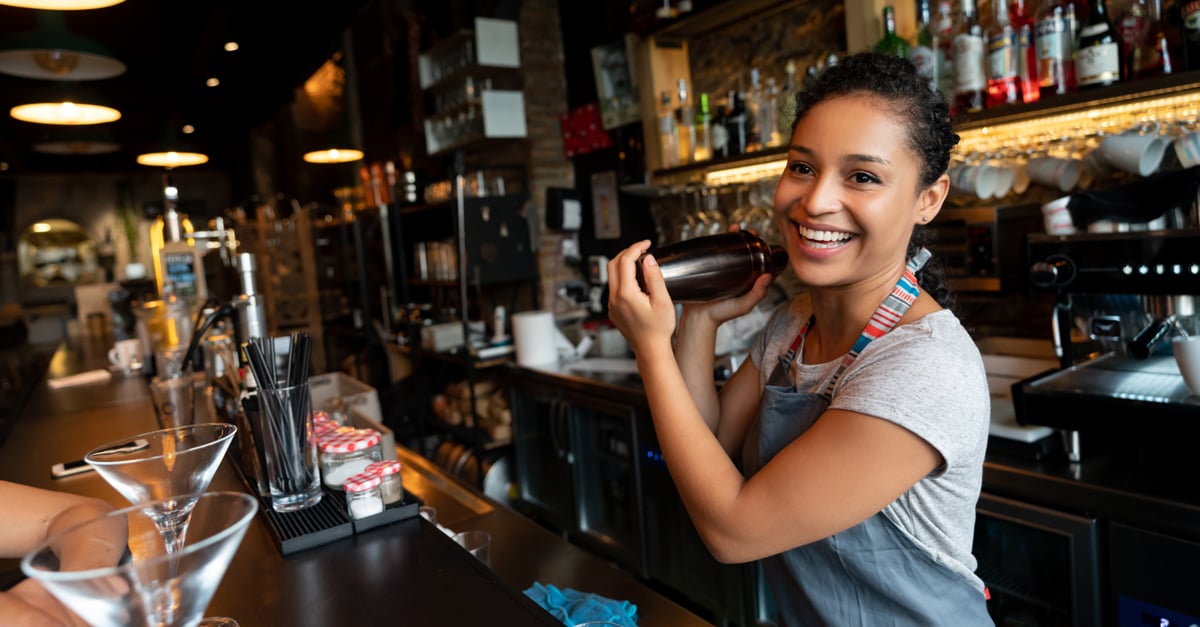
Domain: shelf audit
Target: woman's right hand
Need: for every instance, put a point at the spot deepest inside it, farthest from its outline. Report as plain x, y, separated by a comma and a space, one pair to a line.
719, 311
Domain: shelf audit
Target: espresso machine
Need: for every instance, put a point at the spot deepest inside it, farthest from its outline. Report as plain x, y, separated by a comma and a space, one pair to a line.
1120, 300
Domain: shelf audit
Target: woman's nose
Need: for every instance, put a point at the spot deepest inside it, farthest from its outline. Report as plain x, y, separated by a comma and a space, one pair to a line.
823, 196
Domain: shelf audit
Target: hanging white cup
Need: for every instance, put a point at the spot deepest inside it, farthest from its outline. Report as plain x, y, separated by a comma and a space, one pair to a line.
1139, 149
1060, 174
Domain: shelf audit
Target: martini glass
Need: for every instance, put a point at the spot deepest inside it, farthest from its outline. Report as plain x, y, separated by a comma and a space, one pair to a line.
89, 569
173, 467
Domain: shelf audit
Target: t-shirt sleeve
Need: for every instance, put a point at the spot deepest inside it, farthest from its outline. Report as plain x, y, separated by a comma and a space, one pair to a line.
931, 383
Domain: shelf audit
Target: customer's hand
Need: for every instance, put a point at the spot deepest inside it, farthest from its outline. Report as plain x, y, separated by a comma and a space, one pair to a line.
28, 604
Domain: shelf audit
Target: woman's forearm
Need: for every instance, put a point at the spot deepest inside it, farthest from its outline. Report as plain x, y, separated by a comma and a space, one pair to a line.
695, 343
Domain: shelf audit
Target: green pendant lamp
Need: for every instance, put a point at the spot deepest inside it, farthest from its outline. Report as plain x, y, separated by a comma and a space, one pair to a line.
52, 52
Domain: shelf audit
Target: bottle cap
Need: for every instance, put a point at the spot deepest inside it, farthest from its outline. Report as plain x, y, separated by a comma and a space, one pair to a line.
383, 468
339, 441
361, 482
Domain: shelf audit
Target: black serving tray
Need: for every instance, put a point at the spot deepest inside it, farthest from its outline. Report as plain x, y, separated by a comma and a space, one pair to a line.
327, 521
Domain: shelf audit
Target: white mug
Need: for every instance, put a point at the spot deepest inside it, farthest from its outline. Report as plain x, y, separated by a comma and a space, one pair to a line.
1061, 174
1187, 357
1187, 149
126, 354
1139, 149
981, 181
1057, 217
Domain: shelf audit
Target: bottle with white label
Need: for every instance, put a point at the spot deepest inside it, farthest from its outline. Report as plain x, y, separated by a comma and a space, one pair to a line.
922, 54
1054, 39
1002, 58
970, 78
1098, 52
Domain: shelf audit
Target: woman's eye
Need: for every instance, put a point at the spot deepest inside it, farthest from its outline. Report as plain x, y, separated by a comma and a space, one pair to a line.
800, 168
862, 178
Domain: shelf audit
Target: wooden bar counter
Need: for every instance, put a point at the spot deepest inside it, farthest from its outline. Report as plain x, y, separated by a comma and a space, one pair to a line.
408, 572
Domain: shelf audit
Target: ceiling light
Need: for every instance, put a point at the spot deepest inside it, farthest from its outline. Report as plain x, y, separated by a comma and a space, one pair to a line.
188, 129
51, 52
41, 227
213, 82
61, 5
231, 46
64, 113
333, 155
172, 159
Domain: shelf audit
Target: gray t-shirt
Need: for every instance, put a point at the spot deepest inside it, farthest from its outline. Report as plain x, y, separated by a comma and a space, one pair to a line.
926, 376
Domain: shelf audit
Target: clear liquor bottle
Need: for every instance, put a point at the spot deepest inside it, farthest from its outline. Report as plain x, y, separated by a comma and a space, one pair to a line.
668, 138
922, 54
970, 78
943, 40
685, 124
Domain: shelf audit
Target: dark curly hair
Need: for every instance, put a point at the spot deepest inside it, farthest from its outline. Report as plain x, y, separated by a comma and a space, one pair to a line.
924, 112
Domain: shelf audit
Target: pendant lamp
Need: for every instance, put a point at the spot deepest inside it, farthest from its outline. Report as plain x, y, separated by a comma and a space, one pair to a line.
66, 104
174, 152
51, 52
61, 5
328, 96
77, 140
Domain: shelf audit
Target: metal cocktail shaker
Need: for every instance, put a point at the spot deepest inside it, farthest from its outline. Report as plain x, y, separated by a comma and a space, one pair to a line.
716, 266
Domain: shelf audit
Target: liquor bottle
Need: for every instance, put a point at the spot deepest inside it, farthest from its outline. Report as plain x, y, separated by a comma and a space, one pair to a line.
943, 40
1027, 64
720, 133
1189, 32
752, 105
768, 110
685, 124
703, 150
891, 43
1133, 26
922, 54
735, 125
786, 110
1153, 57
1055, 47
1002, 60
667, 136
1098, 53
719, 266
970, 81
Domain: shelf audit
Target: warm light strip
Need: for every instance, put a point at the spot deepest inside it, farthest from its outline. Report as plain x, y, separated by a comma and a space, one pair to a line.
172, 159
64, 113
333, 155
61, 5
1033, 134
745, 173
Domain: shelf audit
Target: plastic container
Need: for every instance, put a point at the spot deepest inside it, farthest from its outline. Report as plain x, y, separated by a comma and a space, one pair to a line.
363, 497
345, 453
390, 485
716, 266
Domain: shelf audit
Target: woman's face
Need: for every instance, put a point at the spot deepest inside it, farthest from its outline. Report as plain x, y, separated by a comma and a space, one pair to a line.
848, 199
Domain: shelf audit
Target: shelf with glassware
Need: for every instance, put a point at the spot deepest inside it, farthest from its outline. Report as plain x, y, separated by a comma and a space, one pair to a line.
472, 85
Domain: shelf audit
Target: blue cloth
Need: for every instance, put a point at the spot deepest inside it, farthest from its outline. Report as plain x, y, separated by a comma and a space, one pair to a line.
573, 607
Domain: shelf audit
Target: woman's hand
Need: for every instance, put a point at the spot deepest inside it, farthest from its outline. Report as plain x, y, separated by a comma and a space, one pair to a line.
645, 318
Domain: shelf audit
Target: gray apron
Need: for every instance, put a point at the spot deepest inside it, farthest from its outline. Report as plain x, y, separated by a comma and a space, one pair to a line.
871, 574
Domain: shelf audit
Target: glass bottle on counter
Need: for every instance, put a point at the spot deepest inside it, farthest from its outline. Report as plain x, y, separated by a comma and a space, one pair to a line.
1098, 53
1002, 58
970, 79
1054, 38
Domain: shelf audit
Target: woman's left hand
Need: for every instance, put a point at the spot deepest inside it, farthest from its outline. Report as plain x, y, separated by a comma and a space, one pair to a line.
644, 318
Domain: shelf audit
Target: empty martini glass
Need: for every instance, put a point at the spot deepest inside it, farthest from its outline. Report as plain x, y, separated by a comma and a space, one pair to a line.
175, 465
89, 569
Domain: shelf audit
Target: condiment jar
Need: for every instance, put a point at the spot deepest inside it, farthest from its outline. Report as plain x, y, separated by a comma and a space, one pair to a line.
362, 495
715, 266
388, 472
346, 453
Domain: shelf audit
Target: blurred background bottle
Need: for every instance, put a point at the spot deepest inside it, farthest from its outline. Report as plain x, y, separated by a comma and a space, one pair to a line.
970, 78
1027, 63
1055, 47
703, 150
921, 53
685, 124
667, 135
891, 43
943, 45
1098, 54
1002, 57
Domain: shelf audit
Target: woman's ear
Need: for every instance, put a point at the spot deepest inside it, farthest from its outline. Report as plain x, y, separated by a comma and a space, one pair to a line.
930, 200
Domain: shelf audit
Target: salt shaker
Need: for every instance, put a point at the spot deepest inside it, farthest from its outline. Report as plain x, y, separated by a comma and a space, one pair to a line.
390, 485
715, 266
363, 497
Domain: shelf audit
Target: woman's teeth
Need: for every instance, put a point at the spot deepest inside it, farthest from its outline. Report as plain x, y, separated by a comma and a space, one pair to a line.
824, 239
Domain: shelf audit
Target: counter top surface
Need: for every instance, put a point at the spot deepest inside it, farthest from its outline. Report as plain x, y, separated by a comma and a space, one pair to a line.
1119, 481
407, 572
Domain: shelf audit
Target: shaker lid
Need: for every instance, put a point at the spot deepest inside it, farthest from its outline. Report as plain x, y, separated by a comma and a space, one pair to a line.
361, 482
383, 468
339, 441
